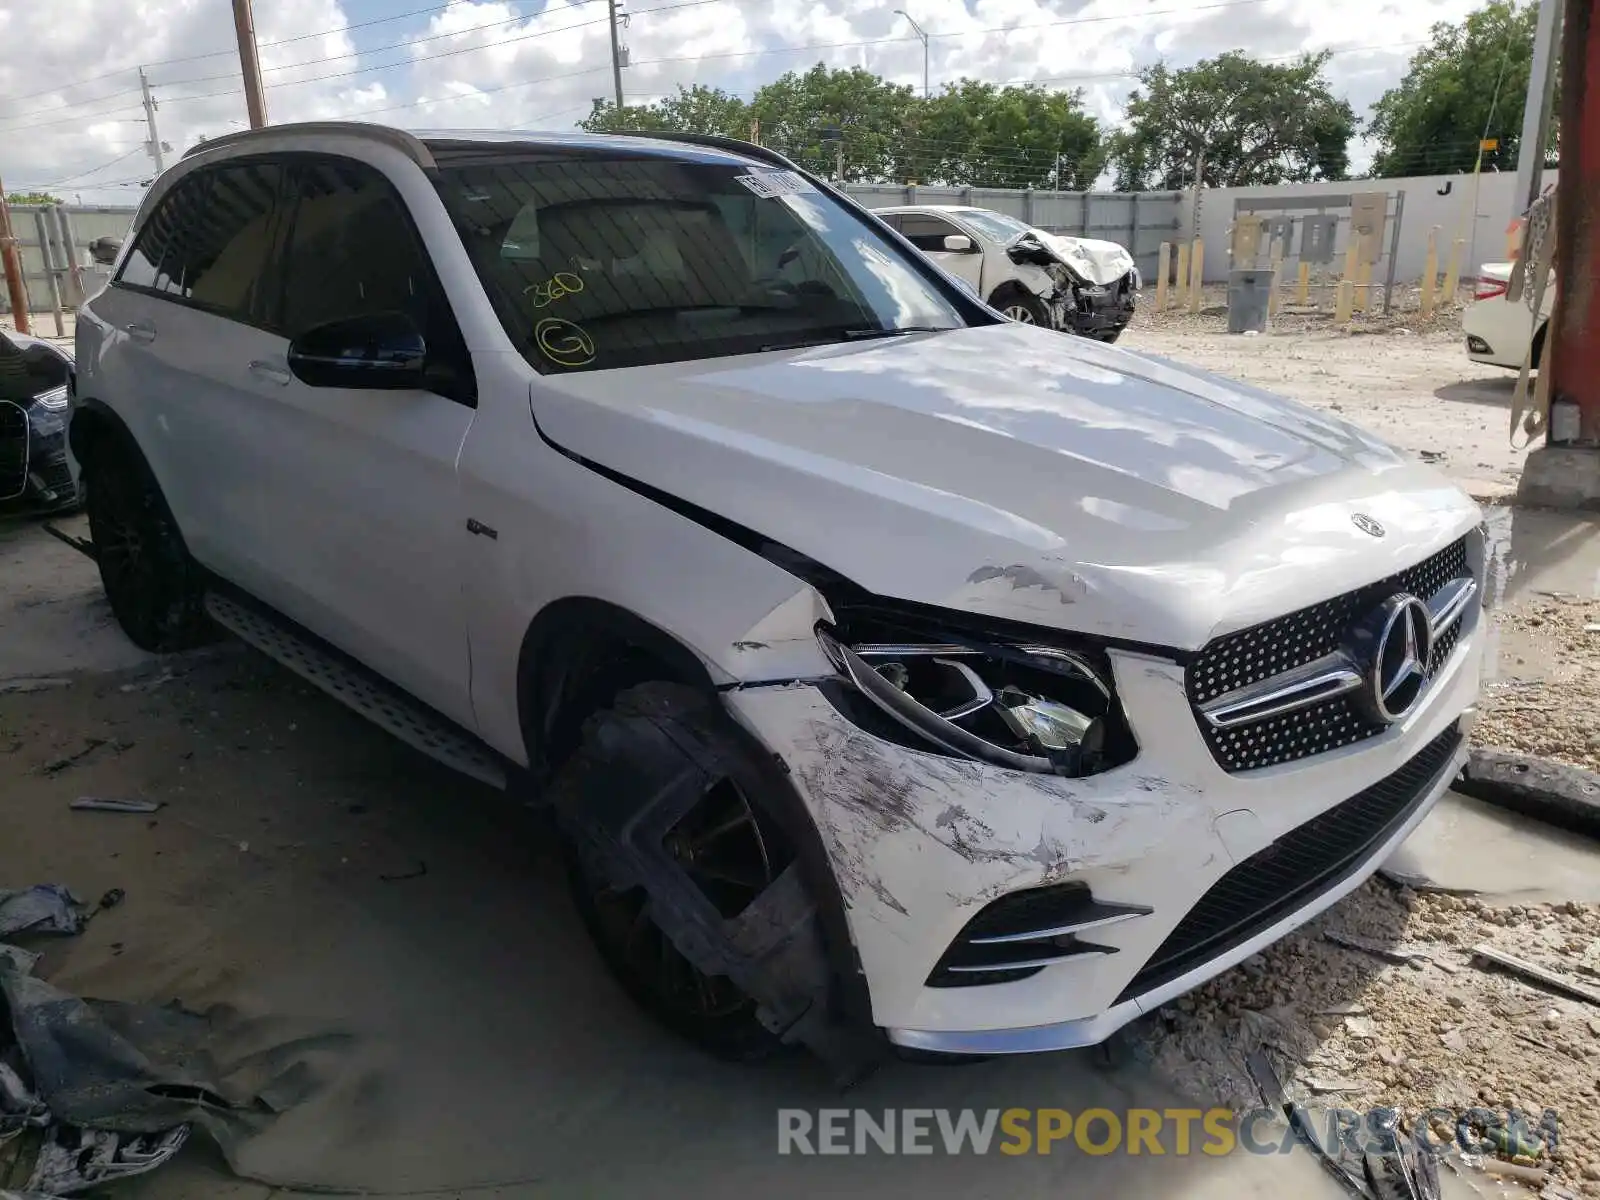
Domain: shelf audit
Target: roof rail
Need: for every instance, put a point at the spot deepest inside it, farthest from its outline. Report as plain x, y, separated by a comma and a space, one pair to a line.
717, 142
408, 145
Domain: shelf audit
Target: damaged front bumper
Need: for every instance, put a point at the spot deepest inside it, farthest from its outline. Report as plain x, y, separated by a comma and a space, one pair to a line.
1112, 869
1099, 311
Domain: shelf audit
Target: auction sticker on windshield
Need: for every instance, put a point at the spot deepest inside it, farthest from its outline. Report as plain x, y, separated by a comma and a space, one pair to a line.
775, 183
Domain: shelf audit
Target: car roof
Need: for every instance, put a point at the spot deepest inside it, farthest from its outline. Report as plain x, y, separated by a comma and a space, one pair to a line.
954, 208
421, 146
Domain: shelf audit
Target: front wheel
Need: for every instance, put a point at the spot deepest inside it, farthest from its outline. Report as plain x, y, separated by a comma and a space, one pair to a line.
1017, 305
155, 589
681, 865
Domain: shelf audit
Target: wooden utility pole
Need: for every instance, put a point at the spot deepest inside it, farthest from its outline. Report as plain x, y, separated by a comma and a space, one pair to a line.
11, 263
616, 56
153, 145
255, 98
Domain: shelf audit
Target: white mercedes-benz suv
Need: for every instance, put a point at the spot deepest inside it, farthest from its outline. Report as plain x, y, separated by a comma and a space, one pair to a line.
896, 675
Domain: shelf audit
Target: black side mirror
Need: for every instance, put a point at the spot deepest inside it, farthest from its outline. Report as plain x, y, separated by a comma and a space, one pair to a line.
104, 250
378, 351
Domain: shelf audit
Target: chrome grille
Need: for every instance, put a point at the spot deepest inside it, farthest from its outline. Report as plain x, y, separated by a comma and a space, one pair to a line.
13, 450
1263, 651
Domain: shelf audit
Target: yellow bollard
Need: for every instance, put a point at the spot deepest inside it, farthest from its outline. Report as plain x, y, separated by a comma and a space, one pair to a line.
1182, 286
1344, 299
1364, 287
1452, 270
1163, 269
1302, 291
1430, 273
1350, 253
1197, 275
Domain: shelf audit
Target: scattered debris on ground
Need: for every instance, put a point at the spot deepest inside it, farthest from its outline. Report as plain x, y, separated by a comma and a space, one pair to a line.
1387, 1001
93, 1091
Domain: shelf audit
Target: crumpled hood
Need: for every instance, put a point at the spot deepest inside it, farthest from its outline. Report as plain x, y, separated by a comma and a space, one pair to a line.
1095, 260
1012, 471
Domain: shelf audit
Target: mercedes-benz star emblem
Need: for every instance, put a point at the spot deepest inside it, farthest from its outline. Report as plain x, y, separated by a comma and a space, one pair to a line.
1399, 664
1366, 524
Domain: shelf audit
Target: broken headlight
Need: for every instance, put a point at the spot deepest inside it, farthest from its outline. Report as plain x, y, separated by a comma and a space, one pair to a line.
1026, 707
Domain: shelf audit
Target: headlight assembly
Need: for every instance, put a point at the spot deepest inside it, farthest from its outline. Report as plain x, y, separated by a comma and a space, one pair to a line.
55, 399
1027, 707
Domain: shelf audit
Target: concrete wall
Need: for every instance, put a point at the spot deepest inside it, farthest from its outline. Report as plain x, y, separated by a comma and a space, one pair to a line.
1425, 207
1141, 221
88, 223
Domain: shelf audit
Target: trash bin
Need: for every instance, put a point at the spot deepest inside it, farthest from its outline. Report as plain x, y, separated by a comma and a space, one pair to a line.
1248, 293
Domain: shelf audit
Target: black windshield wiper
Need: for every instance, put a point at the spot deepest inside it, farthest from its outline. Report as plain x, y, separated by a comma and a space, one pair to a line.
834, 336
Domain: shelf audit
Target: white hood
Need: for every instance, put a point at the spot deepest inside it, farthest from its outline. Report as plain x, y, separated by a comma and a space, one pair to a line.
1095, 260
1011, 471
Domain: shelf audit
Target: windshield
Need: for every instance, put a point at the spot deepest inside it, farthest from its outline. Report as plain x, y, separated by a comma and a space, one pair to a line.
995, 225
595, 261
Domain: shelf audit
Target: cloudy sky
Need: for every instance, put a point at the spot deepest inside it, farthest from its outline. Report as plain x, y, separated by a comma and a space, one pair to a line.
71, 118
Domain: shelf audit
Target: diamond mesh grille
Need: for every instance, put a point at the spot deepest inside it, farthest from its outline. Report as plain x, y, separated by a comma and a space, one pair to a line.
1265, 650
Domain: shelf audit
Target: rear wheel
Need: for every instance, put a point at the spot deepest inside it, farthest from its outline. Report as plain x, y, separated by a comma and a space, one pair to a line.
155, 589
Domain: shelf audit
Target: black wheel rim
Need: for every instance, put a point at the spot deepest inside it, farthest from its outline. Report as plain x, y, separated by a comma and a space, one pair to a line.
131, 542
728, 849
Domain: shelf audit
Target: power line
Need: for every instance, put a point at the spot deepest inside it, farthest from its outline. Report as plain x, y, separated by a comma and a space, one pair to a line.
78, 175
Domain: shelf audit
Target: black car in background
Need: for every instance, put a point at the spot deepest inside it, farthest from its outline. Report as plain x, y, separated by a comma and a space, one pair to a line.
35, 382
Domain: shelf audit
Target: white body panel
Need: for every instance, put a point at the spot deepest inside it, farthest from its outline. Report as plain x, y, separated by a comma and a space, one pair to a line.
999, 471
1507, 327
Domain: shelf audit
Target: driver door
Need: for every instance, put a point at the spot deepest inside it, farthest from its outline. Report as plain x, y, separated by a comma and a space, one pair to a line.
357, 524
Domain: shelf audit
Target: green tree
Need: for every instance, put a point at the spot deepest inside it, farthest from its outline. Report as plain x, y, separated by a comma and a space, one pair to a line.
1240, 121
980, 135
1469, 82
32, 198
698, 109
823, 116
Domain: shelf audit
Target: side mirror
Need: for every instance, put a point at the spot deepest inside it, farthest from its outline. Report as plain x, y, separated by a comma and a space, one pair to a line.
958, 243
380, 351
104, 250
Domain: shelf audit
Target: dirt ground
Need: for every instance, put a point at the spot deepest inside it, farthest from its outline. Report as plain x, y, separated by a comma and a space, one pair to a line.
304, 865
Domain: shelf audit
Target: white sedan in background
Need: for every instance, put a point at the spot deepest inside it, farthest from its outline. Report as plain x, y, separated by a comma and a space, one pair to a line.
1499, 330
1081, 285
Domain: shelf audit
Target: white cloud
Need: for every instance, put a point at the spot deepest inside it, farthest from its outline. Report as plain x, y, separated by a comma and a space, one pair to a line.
72, 102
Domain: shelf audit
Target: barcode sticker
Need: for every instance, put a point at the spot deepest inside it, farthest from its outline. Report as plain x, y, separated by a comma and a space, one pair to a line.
775, 183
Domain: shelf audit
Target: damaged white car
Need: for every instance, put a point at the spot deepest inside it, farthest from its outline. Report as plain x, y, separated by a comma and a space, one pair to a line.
896, 675
1082, 285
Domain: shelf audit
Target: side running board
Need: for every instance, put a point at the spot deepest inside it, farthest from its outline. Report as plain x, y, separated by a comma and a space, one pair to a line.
355, 686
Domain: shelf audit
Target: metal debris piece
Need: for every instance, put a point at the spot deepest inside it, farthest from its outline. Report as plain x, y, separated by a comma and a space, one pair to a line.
100, 804
1327, 1086
74, 1160
16, 686
418, 873
1535, 974
82, 545
1392, 954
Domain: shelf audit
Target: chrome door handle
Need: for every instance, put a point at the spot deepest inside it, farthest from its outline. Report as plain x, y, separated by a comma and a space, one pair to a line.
141, 332
265, 370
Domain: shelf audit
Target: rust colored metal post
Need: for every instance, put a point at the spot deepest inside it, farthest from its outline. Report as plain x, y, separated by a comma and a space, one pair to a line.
11, 267
1575, 352
255, 98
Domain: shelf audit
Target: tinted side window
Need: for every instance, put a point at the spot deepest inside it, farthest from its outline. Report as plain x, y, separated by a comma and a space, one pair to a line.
139, 268
926, 233
352, 251
214, 231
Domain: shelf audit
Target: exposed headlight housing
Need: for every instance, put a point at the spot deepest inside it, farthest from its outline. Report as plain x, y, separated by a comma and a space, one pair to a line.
55, 399
1025, 706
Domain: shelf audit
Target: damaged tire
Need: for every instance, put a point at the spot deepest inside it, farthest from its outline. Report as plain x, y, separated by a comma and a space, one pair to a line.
685, 875
155, 589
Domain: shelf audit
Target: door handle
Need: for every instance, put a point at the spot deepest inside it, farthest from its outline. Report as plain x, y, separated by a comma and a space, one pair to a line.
265, 370
141, 332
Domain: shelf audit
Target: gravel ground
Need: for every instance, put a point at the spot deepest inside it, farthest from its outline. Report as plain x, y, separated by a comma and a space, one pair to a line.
1548, 694
1347, 1028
